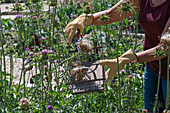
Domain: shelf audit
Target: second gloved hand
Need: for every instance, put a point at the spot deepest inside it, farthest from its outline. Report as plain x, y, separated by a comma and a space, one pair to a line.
78, 24
126, 58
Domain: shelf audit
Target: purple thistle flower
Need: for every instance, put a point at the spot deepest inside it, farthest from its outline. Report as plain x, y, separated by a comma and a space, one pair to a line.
136, 50
122, 70
34, 17
49, 107
73, 16
50, 51
18, 16
78, 3
42, 24
31, 53
55, 32
43, 38
113, 80
133, 61
27, 49
43, 46
24, 101
44, 51
41, 15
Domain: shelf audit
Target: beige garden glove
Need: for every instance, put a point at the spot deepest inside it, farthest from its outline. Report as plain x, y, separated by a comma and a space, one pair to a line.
78, 24
126, 58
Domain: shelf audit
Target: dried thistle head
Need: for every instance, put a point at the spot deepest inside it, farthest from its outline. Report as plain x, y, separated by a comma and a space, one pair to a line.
84, 45
79, 73
76, 63
165, 39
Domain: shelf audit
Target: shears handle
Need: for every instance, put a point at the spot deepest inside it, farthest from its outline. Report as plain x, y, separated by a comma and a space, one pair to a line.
77, 37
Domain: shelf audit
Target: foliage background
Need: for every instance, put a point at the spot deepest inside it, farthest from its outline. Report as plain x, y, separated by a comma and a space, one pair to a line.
46, 30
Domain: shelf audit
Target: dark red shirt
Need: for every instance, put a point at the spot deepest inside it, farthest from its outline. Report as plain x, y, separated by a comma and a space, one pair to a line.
153, 20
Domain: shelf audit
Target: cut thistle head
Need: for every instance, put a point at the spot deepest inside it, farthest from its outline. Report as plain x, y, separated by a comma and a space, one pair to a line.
125, 7
87, 9
165, 40
84, 45
104, 18
159, 51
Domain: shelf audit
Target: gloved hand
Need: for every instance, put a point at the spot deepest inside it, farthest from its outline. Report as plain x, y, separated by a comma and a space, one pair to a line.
77, 24
126, 58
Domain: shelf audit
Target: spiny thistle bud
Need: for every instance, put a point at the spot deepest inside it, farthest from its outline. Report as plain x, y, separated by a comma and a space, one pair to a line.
104, 18
71, 2
87, 9
78, 5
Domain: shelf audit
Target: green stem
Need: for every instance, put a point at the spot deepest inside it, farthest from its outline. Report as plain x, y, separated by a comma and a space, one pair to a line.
67, 59
22, 62
3, 55
107, 35
49, 30
54, 10
33, 93
11, 70
42, 82
167, 94
4, 76
117, 48
159, 77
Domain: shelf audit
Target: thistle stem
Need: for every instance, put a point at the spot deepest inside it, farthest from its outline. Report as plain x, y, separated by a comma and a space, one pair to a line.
167, 94
154, 110
117, 48
3, 55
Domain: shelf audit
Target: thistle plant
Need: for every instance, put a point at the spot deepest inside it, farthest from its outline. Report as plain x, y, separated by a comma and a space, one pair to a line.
40, 38
17, 7
168, 85
158, 53
122, 9
105, 18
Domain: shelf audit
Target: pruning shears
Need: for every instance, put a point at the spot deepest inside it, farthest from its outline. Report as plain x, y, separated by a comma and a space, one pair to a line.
77, 37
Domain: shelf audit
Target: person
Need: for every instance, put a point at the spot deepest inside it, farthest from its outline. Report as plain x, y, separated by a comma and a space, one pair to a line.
154, 18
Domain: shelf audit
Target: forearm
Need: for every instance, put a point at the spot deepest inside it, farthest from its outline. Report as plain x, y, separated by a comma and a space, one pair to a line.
112, 13
145, 56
